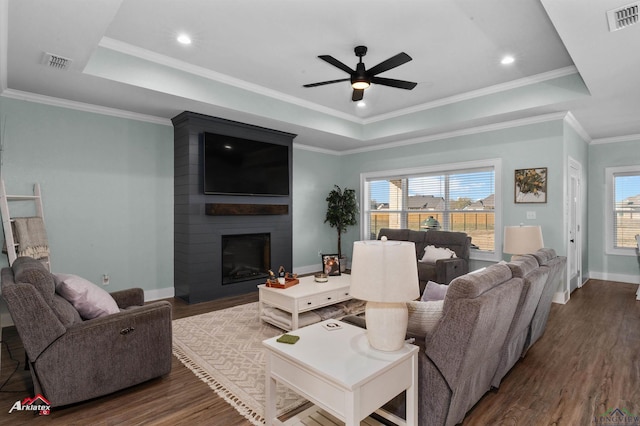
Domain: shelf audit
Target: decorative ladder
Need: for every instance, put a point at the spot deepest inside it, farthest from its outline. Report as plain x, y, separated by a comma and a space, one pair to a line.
7, 219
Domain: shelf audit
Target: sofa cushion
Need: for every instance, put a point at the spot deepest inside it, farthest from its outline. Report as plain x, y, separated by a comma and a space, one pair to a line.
470, 286
90, 300
545, 255
434, 291
394, 234
522, 265
423, 318
432, 254
31, 271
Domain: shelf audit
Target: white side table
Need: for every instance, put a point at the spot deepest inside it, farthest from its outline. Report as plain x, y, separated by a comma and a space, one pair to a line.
338, 371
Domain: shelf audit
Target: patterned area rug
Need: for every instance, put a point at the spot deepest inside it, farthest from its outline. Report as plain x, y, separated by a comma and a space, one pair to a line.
224, 349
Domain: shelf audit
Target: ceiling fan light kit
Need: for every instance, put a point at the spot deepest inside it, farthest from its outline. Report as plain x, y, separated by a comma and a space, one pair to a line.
361, 78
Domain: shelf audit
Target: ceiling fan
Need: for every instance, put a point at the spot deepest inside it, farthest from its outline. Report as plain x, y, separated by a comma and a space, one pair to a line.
361, 78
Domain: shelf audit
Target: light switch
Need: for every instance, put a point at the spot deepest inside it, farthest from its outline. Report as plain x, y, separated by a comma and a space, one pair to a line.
531, 215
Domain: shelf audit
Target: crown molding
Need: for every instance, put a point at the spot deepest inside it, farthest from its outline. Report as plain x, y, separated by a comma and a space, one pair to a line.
616, 139
571, 120
298, 145
164, 60
81, 106
490, 90
463, 132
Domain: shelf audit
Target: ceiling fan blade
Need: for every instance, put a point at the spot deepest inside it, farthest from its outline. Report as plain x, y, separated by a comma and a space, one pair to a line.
395, 61
336, 63
322, 83
391, 82
358, 94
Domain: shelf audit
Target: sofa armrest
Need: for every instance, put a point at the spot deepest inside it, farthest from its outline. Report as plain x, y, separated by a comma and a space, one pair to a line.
448, 269
128, 297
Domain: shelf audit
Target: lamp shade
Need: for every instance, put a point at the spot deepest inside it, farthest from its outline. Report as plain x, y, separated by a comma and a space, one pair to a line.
384, 271
522, 239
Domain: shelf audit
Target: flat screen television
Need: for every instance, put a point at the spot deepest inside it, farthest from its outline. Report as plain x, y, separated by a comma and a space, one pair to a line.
240, 166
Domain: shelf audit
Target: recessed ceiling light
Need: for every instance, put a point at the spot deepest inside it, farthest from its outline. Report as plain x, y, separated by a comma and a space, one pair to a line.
184, 39
506, 60
361, 104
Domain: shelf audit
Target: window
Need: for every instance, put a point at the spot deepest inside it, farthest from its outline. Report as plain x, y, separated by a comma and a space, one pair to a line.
623, 209
454, 197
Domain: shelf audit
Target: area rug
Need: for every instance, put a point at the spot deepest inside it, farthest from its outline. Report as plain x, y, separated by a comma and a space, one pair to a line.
224, 349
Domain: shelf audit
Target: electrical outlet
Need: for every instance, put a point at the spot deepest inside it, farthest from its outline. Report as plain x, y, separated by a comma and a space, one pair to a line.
105, 279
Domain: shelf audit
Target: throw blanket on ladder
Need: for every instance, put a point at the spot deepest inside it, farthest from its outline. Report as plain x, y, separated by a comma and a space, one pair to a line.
32, 237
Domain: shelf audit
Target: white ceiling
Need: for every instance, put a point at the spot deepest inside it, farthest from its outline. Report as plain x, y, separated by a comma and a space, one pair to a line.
249, 60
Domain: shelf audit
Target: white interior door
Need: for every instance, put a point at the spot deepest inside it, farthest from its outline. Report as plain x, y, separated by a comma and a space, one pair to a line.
574, 251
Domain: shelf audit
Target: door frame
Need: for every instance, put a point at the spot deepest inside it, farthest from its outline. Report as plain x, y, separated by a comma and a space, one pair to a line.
574, 172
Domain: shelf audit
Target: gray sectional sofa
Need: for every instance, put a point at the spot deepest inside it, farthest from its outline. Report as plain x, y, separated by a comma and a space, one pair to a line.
441, 271
488, 320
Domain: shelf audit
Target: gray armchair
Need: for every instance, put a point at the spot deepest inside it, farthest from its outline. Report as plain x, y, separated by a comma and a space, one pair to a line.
72, 360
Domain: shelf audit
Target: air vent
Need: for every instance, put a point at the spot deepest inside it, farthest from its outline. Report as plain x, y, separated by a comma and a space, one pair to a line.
623, 17
56, 61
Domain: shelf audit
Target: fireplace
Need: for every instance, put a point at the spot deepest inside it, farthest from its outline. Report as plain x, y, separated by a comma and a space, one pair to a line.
202, 221
245, 257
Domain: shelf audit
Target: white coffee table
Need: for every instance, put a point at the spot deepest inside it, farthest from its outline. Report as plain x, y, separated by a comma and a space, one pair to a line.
304, 296
338, 371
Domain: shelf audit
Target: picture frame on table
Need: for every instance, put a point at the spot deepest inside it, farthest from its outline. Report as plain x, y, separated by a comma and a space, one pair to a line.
530, 185
331, 264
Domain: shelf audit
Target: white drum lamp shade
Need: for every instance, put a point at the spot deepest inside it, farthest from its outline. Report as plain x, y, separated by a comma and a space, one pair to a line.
522, 239
385, 274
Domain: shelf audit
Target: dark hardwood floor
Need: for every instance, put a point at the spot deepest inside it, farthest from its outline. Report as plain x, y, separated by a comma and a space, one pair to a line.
586, 363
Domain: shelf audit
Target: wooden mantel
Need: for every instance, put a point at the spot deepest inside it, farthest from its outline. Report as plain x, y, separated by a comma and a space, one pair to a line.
221, 209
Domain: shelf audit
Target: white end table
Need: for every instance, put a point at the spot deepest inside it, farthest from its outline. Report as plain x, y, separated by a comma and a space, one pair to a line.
338, 371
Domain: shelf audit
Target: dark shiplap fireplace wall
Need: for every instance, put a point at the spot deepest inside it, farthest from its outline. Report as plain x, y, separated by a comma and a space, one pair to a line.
201, 220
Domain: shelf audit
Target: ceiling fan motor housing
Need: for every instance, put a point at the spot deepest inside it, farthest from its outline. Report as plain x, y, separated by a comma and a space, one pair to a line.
360, 51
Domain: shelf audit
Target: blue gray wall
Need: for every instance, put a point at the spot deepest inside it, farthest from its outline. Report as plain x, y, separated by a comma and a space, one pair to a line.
534, 145
602, 265
108, 188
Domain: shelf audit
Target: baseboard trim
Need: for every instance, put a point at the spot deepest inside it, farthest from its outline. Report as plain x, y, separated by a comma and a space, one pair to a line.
623, 278
560, 297
160, 293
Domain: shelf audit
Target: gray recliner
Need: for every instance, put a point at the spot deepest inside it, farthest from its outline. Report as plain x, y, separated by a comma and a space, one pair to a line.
443, 270
72, 360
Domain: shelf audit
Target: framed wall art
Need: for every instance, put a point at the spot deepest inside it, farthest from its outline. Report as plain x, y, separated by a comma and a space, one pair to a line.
531, 185
331, 264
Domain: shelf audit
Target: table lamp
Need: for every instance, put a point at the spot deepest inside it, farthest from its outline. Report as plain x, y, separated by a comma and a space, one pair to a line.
385, 274
522, 239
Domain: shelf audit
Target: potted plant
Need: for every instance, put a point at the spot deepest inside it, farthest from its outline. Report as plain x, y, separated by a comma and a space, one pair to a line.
342, 212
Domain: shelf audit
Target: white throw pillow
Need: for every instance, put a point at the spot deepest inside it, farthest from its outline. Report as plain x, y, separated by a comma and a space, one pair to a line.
89, 300
423, 318
433, 253
434, 291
